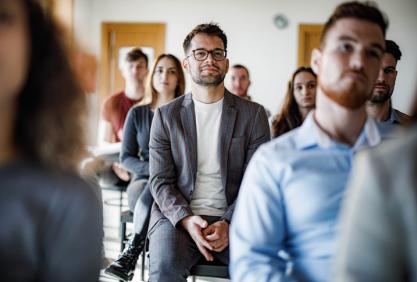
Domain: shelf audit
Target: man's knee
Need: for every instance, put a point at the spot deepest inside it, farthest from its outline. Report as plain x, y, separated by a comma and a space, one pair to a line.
171, 253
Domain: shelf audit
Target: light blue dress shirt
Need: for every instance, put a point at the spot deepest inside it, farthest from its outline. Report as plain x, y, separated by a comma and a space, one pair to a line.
289, 201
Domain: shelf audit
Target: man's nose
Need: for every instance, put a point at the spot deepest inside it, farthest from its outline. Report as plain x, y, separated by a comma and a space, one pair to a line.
357, 60
381, 76
210, 58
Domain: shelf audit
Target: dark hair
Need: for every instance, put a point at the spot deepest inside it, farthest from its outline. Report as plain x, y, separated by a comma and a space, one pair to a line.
367, 11
51, 107
239, 66
211, 29
136, 54
151, 93
392, 48
289, 117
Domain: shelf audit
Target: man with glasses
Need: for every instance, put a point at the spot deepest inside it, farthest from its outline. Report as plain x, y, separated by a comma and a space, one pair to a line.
200, 146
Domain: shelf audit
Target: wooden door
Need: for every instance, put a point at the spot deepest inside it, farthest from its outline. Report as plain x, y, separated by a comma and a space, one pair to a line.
308, 39
117, 39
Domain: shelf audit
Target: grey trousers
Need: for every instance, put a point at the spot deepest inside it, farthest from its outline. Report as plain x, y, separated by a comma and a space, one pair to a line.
172, 252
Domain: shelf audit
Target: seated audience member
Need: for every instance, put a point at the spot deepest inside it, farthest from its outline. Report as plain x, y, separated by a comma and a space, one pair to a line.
293, 188
134, 70
379, 106
106, 170
239, 81
298, 102
51, 221
199, 147
166, 82
378, 224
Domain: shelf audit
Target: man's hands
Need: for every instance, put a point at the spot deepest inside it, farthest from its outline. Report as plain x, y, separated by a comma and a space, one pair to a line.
194, 225
214, 237
217, 234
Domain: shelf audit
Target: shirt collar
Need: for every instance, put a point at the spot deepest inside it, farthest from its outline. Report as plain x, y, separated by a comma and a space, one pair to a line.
393, 117
310, 134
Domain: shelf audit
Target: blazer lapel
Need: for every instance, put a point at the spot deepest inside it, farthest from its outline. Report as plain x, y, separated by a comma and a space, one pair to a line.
190, 133
226, 132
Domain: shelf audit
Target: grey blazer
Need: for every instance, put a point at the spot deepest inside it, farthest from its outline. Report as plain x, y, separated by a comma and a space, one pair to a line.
173, 152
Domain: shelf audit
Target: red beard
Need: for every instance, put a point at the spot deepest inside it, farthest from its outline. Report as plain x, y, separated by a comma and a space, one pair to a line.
350, 96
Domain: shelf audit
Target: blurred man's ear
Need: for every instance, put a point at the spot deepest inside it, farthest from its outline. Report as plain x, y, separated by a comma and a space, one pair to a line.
315, 60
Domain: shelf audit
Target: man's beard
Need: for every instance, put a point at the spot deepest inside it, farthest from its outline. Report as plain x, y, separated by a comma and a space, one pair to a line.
208, 80
349, 96
381, 97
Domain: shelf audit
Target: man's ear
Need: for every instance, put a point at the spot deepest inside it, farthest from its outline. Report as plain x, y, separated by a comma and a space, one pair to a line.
315, 60
185, 64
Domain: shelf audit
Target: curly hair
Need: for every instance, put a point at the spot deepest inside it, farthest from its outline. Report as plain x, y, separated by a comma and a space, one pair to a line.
51, 107
289, 117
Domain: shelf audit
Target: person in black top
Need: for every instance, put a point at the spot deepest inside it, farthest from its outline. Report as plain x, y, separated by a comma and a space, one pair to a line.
166, 82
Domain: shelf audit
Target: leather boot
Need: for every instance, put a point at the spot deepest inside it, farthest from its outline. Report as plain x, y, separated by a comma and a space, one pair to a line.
124, 267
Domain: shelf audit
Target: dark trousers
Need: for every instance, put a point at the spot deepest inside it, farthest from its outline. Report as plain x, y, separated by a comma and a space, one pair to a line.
172, 252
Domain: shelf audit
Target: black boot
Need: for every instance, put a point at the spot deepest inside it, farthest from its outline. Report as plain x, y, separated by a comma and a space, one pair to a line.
124, 267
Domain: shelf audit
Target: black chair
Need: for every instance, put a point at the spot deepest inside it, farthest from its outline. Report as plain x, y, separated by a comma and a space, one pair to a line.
116, 201
210, 269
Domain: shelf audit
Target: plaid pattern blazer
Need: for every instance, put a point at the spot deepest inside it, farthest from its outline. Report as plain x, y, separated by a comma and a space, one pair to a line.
173, 152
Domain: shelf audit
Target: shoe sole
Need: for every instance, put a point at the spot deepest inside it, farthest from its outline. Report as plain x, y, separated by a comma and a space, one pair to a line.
117, 274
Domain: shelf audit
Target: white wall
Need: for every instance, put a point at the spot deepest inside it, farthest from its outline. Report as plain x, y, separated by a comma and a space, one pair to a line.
254, 41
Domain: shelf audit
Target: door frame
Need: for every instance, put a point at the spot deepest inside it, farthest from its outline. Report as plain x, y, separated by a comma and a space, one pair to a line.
107, 29
305, 32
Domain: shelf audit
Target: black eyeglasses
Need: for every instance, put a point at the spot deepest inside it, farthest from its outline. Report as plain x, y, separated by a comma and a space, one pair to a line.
202, 54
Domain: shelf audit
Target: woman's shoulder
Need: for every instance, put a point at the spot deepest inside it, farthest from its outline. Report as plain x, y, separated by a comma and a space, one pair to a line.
141, 108
138, 111
22, 177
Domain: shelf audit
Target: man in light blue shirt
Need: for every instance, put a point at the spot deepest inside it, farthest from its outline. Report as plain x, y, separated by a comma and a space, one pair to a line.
293, 188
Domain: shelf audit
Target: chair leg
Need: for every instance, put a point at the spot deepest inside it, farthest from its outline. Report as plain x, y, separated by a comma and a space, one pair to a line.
121, 203
142, 270
122, 235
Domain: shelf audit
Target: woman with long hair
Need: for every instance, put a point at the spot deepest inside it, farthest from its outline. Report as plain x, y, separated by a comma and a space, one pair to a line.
51, 220
299, 100
165, 83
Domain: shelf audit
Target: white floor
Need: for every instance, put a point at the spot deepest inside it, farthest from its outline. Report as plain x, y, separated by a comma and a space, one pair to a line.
112, 238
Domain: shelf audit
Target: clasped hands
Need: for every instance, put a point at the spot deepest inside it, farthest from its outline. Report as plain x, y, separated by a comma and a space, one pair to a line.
213, 237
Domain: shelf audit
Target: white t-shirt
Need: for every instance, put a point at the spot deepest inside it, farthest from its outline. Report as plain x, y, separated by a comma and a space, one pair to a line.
209, 197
